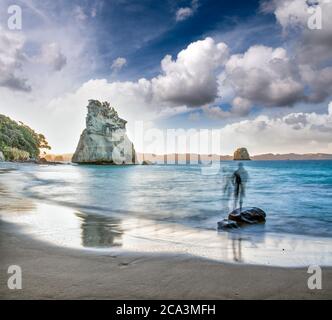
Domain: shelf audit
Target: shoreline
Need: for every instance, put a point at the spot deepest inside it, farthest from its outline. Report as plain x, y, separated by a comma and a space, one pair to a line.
73, 226
54, 272
68, 228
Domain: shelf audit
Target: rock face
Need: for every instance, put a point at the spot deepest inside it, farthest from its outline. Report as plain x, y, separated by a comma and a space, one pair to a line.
241, 217
2, 157
227, 224
241, 154
104, 141
247, 215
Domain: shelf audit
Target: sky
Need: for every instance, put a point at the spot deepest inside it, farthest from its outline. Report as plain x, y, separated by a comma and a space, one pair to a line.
257, 74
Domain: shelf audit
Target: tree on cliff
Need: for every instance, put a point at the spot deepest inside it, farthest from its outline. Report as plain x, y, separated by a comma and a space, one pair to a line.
18, 141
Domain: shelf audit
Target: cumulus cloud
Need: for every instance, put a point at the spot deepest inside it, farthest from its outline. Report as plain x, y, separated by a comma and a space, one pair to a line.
191, 78
313, 46
264, 76
11, 59
51, 54
186, 12
295, 132
118, 63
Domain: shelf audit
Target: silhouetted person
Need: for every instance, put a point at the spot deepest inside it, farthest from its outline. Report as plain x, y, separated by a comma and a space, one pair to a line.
240, 178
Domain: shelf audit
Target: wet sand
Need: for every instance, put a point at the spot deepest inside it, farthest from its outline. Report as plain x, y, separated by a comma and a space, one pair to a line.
54, 273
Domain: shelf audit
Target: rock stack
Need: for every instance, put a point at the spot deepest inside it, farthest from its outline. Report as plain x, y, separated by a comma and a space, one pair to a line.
104, 140
241, 154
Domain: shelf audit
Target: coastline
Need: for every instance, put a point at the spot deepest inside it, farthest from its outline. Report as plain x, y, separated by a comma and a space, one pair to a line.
50, 272
55, 272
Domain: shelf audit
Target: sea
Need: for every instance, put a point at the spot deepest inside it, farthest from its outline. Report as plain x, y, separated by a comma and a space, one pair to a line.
174, 209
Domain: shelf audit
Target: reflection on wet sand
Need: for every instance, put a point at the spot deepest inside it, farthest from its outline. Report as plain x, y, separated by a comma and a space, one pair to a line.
99, 231
237, 249
65, 227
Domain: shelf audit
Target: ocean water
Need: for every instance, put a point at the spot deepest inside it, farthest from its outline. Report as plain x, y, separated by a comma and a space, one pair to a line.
184, 201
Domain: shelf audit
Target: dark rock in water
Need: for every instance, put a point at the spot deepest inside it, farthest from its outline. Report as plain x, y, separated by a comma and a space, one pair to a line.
243, 216
227, 224
247, 215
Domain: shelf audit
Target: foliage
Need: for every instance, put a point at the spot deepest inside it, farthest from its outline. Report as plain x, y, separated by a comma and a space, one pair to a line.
18, 141
14, 154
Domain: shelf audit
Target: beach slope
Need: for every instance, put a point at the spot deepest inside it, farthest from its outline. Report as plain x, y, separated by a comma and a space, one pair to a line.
54, 273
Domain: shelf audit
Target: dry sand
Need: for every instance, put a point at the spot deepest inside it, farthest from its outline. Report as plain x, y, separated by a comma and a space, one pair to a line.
54, 273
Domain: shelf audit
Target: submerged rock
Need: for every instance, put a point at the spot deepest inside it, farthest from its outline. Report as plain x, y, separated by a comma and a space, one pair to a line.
247, 215
104, 141
241, 154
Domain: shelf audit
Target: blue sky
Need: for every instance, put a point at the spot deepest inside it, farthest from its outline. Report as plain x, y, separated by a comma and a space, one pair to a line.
228, 65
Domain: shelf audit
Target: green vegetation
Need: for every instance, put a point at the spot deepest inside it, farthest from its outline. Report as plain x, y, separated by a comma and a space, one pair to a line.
18, 142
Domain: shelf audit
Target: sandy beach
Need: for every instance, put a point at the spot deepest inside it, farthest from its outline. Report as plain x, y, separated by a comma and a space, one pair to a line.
54, 273
51, 271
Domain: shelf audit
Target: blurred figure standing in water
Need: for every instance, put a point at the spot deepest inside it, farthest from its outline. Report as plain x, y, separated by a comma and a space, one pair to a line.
227, 188
239, 179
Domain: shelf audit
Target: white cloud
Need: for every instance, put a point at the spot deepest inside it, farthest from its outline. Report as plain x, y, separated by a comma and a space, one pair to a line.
11, 59
191, 78
51, 54
118, 63
186, 12
295, 132
265, 76
312, 48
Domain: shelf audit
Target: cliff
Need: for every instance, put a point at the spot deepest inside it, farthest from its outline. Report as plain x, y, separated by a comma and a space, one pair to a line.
104, 140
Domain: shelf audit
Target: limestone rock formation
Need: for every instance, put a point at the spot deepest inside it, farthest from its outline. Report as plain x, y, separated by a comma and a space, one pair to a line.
241, 154
104, 141
2, 157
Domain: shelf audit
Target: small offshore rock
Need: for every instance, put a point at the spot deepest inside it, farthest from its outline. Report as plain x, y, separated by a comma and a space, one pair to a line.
241, 154
147, 163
